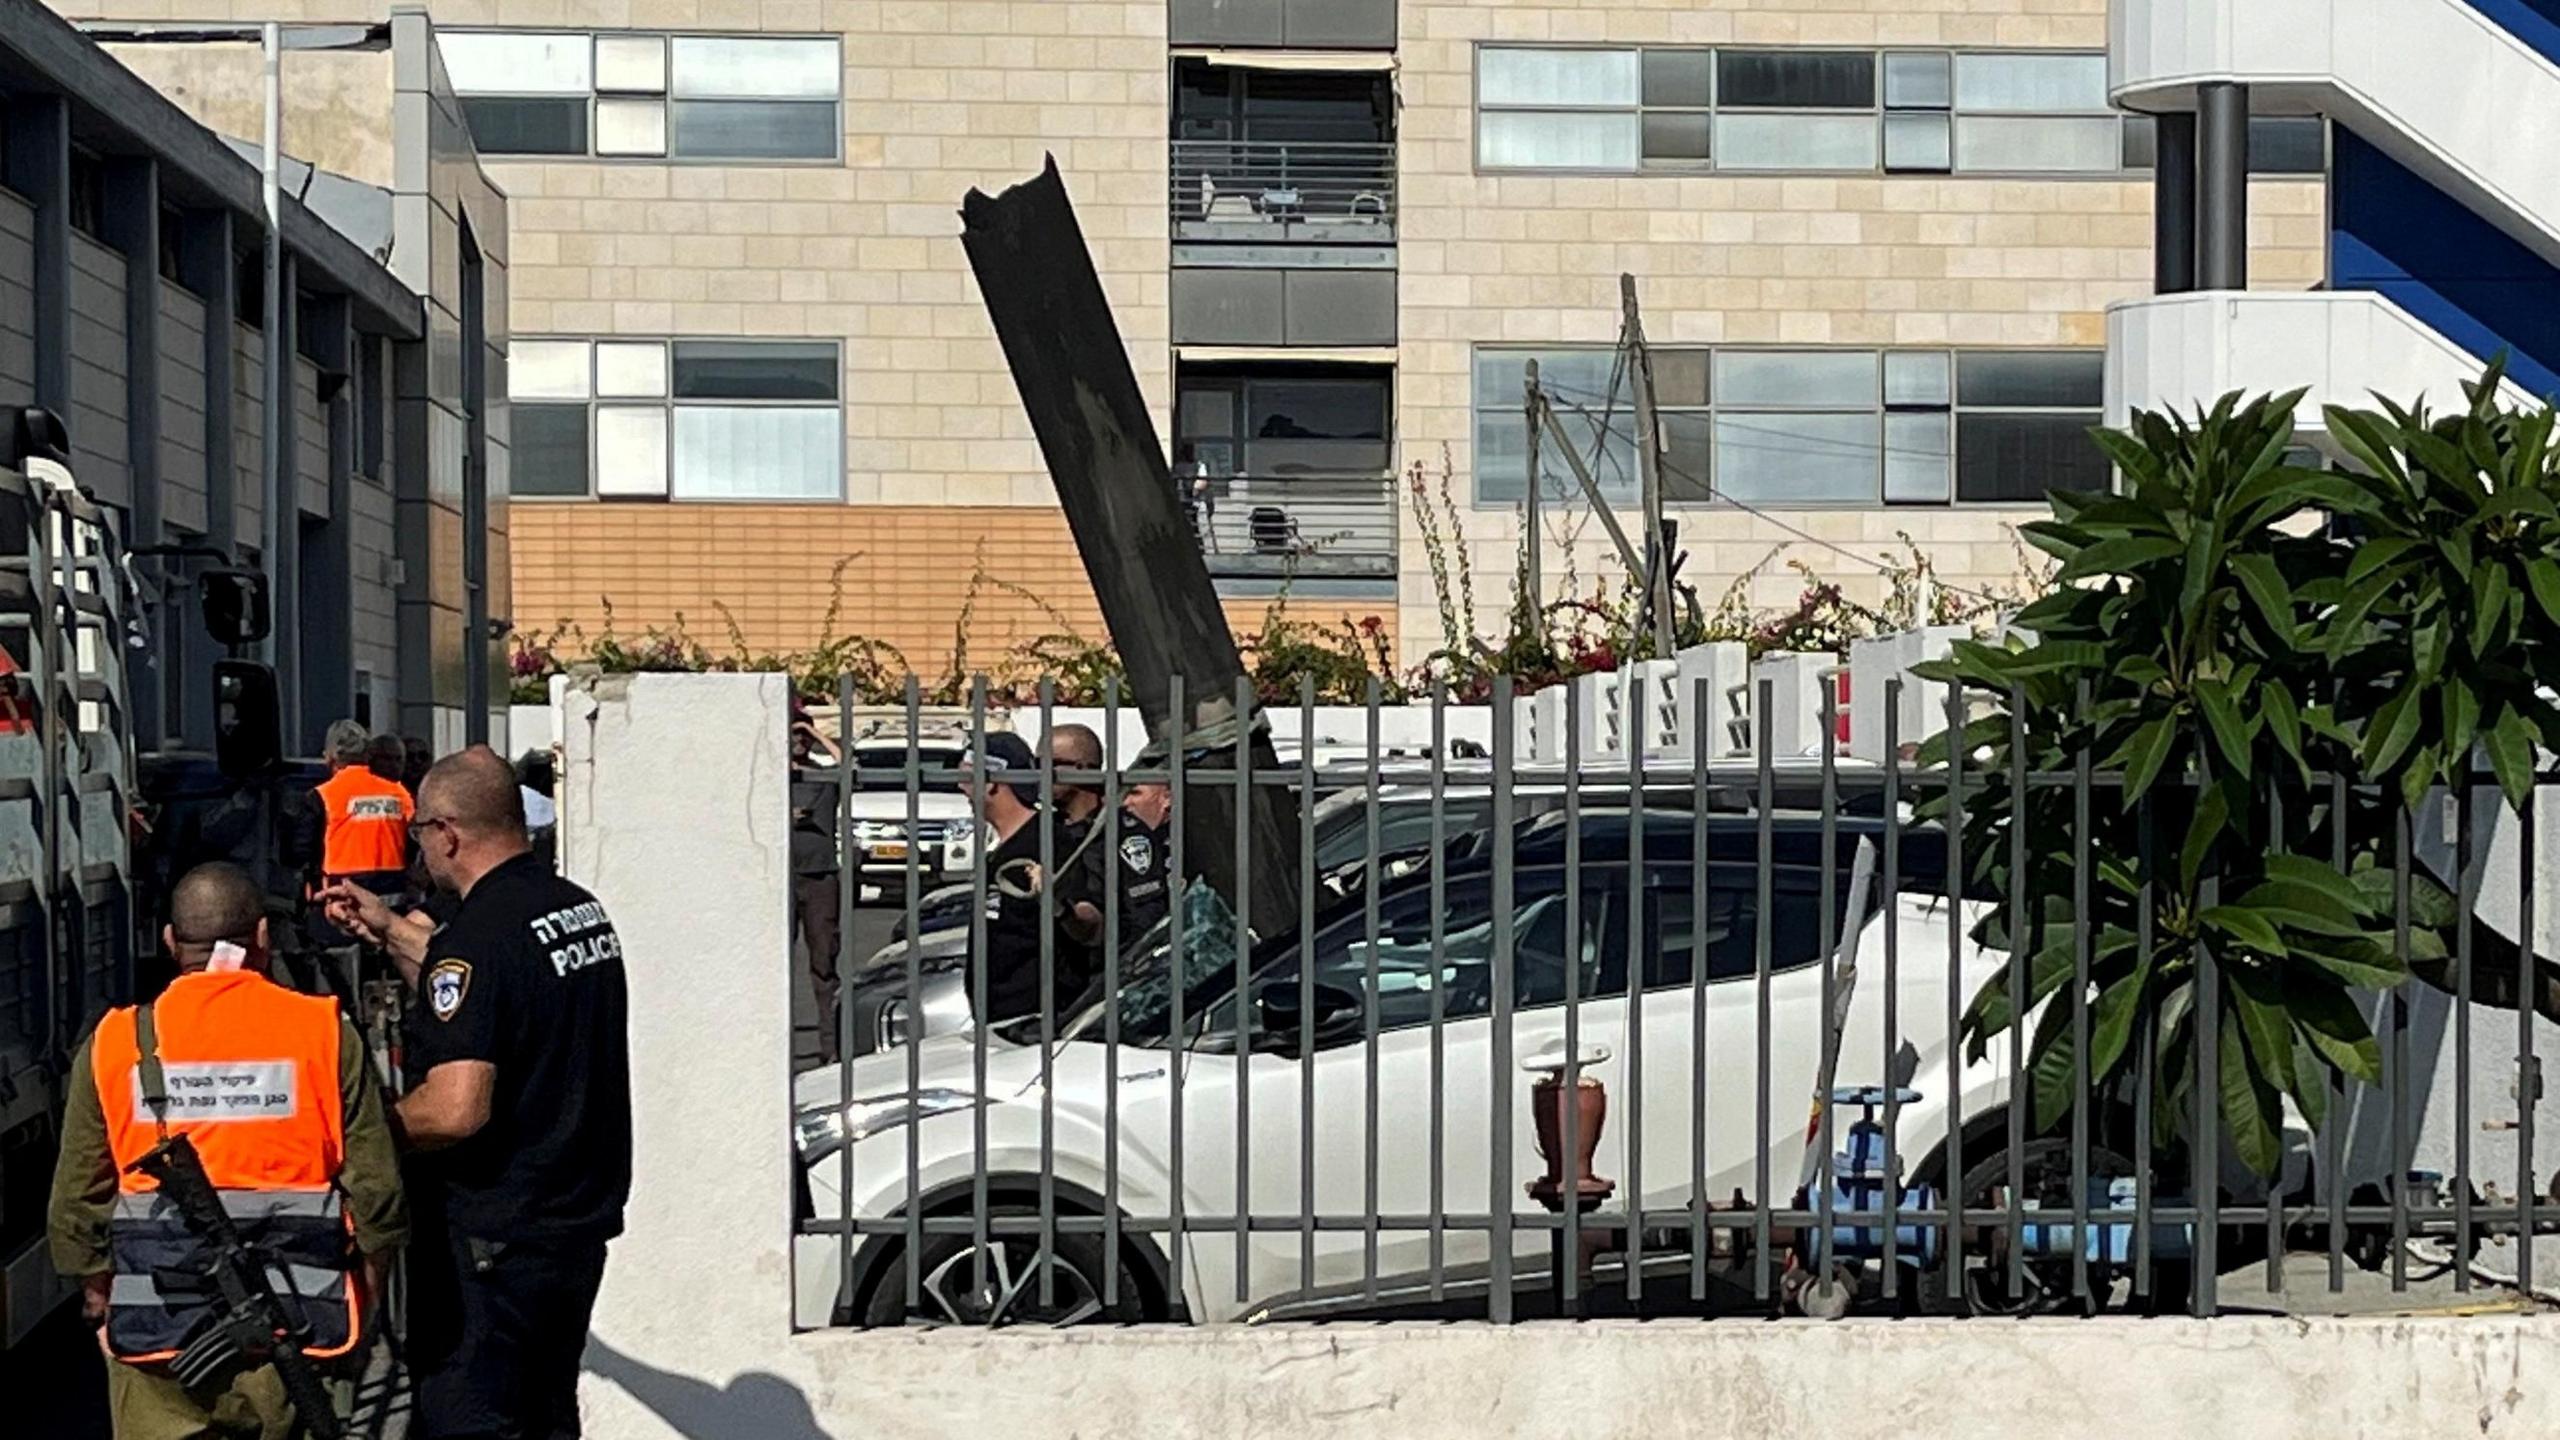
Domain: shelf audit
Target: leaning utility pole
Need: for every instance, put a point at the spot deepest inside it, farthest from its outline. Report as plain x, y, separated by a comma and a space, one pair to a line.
1657, 568
1091, 420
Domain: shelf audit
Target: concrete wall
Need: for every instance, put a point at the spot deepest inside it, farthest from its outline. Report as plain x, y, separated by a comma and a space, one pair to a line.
310, 440
182, 413
99, 448
17, 301
686, 774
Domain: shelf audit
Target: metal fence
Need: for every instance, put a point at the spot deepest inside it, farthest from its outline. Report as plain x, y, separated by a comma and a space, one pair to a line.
1549, 1039
1304, 191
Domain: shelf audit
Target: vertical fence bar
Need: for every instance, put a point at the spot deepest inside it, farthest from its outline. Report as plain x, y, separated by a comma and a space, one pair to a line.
2207, 1148
1632, 705
1762, 876
2395, 1052
1956, 950
2146, 1056
915, 969
1439, 1236
1369, 1033
1306, 982
1044, 892
2528, 1075
2333, 1134
2024, 929
1568, 1268
1828, 935
1109, 820
1245, 1007
1177, 1044
978, 967
1892, 714
848, 863
1701, 913
1498, 1222
2466, 891
2081, 845
2274, 1239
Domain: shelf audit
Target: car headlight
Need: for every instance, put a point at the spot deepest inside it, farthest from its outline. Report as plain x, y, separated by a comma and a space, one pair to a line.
822, 1132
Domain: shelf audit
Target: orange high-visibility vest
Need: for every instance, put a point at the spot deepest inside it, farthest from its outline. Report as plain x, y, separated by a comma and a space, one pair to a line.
251, 1073
368, 823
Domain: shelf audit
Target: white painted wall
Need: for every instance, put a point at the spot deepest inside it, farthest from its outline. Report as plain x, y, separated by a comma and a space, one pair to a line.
2177, 352
2434, 83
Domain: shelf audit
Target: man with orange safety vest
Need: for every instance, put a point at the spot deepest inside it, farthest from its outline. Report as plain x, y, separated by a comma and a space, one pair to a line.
365, 817
276, 1093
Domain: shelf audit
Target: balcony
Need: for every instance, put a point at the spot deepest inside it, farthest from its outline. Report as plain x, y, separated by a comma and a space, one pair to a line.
1261, 192
1297, 527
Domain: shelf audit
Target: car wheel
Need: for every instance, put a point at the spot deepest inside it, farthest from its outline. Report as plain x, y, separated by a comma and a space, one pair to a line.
949, 1289
2045, 1279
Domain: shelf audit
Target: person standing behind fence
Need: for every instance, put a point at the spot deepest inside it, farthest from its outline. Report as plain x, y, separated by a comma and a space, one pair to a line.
365, 817
521, 1035
817, 896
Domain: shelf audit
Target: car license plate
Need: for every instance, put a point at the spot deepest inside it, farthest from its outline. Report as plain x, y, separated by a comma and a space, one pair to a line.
889, 850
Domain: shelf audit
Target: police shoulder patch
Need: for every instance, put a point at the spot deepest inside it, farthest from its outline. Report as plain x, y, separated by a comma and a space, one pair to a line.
447, 983
1137, 852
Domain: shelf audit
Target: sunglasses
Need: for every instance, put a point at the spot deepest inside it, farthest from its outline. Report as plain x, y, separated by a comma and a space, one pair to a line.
425, 823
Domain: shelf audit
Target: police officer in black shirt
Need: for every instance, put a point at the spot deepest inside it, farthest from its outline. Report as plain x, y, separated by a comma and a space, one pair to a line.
521, 1111
1140, 863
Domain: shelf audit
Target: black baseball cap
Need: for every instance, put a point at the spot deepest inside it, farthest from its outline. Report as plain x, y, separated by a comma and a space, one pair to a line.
1001, 750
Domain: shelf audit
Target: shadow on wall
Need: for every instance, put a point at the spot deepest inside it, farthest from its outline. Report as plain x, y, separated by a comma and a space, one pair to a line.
754, 1406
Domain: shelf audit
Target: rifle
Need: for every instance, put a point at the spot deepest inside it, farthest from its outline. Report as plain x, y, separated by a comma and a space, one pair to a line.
253, 1327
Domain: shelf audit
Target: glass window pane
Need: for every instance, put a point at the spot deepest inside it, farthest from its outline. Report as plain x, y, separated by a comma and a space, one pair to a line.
630, 370
548, 455
547, 370
2054, 379
753, 130
1818, 79
1678, 138
2037, 142
2023, 458
1918, 81
754, 370
1915, 377
2031, 82
515, 63
1688, 470
1806, 378
1916, 142
1679, 378
1579, 374
632, 63
1515, 76
1502, 459
2288, 145
1796, 142
631, 127
631, 450
1530, 140
1916, 462
526, 127
758, 69
1679, 77
759, 453
1300, 427
1796, 459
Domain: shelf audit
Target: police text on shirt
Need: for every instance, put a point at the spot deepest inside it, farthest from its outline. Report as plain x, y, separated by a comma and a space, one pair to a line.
583, 949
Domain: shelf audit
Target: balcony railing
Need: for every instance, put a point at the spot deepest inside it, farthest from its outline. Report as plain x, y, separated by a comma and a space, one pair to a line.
1297, 525
1284, 192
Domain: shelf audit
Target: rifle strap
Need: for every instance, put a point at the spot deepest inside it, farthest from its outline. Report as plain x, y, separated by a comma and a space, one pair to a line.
155, 1081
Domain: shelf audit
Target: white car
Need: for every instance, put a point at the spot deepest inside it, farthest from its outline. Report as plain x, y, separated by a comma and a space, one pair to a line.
945, 834
1257, 1101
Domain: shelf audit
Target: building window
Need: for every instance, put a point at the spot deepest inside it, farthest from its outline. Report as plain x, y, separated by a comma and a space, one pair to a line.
628, 419
1899, 111
625, 95
1803, 427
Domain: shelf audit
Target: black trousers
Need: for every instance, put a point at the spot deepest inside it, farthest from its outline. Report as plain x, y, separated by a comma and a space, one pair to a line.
818, 905
495, 1337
